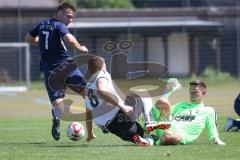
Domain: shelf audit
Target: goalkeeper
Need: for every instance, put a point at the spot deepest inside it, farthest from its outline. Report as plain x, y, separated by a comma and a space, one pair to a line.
188, 120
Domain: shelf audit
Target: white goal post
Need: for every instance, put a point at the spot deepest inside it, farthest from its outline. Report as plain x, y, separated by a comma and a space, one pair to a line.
14, 67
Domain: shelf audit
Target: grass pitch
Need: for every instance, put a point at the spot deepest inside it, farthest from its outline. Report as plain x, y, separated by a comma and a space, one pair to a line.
29, 138
25, 126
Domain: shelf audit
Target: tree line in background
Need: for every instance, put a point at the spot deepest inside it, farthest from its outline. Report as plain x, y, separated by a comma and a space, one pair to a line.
88, 4
150, 3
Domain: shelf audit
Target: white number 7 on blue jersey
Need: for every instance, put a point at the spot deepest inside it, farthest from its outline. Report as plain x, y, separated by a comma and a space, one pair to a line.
46, 38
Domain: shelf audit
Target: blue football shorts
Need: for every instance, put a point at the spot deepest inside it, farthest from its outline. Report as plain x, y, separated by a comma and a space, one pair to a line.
74, 80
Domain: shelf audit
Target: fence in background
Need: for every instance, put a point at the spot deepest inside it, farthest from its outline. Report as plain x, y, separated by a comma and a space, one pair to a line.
186, 37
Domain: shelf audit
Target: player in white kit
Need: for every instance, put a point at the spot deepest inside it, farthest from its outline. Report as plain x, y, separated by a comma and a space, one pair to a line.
108, 110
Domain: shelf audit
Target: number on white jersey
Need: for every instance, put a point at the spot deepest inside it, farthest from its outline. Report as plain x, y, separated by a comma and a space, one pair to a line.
92, 98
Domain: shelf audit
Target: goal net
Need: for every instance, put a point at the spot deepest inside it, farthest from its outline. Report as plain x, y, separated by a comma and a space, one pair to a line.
14, 67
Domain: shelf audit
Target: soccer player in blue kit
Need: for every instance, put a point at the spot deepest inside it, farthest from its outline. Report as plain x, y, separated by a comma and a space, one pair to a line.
51, 35
234, 124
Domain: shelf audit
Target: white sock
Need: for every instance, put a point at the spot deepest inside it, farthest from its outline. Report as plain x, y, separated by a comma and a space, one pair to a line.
167, 94
172, 84
147, 107
150, 140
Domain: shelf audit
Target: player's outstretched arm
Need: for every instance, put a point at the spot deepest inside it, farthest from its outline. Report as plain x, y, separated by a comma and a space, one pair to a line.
89, 126
102, 86
212, 127
31, 39
72, 41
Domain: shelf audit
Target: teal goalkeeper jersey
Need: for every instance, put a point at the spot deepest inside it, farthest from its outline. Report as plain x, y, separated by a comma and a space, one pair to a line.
188, 120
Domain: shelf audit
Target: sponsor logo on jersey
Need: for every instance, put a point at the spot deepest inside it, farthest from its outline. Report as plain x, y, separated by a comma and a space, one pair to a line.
184, 117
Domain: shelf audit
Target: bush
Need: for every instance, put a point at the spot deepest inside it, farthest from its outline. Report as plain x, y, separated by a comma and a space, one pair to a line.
100, 3
212, 73
213, 77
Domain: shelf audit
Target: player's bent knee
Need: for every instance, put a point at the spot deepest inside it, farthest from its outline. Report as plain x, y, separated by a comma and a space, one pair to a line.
163, 103
169, 138
79, 90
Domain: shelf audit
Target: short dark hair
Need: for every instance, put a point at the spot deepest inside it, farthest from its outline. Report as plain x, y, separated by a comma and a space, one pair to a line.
66, 5
198, 82
95, 64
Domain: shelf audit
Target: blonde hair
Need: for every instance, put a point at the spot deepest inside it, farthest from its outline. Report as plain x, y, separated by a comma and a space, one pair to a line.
95, 64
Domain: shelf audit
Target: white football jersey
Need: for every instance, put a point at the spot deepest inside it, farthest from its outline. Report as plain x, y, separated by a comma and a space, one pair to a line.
102, 111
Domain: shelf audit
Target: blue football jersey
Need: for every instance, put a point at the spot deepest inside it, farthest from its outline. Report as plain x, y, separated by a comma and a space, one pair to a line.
51, 43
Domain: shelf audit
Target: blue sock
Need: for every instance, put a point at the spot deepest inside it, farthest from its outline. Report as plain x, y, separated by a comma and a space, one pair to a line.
56, 113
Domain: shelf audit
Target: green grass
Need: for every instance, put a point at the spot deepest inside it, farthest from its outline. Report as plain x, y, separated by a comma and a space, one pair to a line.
25, 129
29, 138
